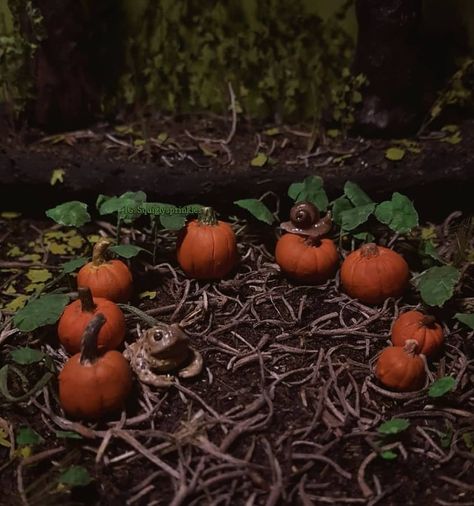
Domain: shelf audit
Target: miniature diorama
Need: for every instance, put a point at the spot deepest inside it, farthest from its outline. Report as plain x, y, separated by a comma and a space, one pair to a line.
236, 252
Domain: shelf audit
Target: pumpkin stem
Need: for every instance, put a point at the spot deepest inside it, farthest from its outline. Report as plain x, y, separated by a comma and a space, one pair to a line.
98, 252
369, 250
87, 302
428, 321
89, 339
411, 347
312, 240
207, 216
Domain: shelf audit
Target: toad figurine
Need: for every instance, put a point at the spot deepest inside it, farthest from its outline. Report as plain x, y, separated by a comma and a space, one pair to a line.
161, 350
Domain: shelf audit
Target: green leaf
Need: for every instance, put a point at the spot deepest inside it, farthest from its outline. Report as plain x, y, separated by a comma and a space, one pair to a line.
394, 154
74, 264
352, 218
394, 426
27, 437
67, 434
259, 161
364, 236
272, 131
128, 205
75, 476
466, 318
388, 455
173, 221
25, 356
428, 249
468, 439
356, 195
295, 189
436, 285
442, 386
339, 205
45, 310
399, 213
71, 214
256, 208
126, 250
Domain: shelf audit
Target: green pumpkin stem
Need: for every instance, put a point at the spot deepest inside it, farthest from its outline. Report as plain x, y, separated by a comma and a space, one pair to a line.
369, 250
207, 216
98, 252
89, 351
87, 301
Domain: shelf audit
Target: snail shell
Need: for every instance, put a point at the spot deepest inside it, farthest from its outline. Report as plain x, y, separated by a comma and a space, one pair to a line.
305, 220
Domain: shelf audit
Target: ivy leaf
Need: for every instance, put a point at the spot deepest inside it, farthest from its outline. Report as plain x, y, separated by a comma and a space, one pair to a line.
442, 386
428, 249
67, 434
466, 318
436, 285
339, 205
394, 426
74, 264
312, 191
256, 208
128, 205
26, 355
356, 195
394, 154
173, 221
71, 214
364, 236
294, 190
126, 250
352, 218
388, 455
27, 437
399, 213
260, 160
75, 476
45, 310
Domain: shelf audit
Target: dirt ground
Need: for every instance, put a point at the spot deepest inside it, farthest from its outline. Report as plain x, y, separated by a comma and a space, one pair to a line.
286, 410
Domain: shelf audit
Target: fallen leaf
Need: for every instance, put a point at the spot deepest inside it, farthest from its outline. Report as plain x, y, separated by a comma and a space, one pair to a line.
57, 176
38, 275
394, 154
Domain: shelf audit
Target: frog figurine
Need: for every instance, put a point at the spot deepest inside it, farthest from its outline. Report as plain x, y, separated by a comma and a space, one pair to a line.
160, 350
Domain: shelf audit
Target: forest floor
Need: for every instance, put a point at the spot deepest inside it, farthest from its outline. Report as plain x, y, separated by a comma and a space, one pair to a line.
286, 411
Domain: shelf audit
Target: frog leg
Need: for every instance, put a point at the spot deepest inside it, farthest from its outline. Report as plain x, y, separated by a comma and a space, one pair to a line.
155, 380
195, 366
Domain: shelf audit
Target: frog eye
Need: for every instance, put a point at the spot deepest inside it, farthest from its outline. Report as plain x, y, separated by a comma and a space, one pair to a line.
158, 334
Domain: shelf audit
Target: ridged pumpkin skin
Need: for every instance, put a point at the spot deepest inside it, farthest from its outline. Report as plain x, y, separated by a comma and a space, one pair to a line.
373, 273
74, 320
423, 329
95, 387
207, 250
401, 369
304, 262
91, 391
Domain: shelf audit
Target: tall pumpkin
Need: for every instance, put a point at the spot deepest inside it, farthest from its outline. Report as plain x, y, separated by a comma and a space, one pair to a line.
207, 247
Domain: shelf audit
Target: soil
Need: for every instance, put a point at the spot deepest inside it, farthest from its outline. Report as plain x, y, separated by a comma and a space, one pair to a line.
286, 411
173, 165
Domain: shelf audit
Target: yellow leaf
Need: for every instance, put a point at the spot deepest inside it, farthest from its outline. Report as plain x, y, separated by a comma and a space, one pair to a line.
33, 287
38, 275
54, 234
31, 257
14, 252
10, 289
75, 242
3, 438
17, 303
148, 295
57, 249
428, 233
57, 176
93, 238
24, 451
9, 215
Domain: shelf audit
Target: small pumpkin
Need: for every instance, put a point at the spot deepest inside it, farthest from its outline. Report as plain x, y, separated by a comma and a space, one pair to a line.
304, 254
110, 279
400, 368
373, 273
422, 328
207, 247
92, 385
79, 313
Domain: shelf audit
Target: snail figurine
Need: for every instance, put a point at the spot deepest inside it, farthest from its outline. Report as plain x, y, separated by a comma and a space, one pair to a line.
304, 254
161, 350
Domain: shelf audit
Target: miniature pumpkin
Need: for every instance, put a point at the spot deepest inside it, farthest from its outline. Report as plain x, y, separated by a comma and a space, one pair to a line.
422, 328
110, 279
79, 313
92, 384
303, 259
373, 273
207, 248
401, 368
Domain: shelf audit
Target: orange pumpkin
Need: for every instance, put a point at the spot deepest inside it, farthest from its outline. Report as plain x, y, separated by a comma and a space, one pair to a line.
79, 313
401, 368
110, 279
422, 328
373, 273
93, 385
207, 248
306, 260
